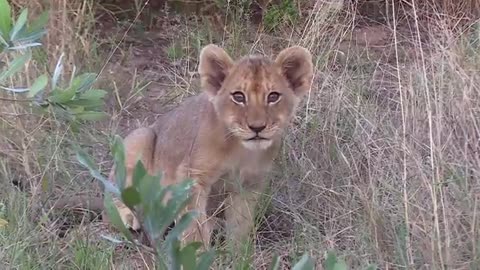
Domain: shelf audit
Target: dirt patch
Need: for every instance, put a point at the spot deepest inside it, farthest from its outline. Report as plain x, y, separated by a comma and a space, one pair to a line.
144, 77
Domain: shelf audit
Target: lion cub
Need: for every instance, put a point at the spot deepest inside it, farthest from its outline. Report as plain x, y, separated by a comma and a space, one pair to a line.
233, 127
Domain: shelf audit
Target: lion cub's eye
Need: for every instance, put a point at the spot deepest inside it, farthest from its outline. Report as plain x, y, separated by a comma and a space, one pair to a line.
273, 97
238, 97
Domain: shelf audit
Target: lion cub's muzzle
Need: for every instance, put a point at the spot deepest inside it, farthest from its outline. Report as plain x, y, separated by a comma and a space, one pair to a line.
259, 138
257, 129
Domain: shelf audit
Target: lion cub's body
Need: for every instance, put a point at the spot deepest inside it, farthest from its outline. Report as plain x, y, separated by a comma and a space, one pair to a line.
195, 145
233, 128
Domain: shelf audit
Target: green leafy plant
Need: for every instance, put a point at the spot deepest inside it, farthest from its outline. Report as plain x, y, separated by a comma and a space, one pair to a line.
71, 101
332, 262
16, 34
145, 197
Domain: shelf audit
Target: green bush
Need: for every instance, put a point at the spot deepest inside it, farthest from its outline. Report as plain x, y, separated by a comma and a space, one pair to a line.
145, 198
71, 101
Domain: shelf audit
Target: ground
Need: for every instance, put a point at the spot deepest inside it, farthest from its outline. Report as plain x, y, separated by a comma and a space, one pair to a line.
381, 163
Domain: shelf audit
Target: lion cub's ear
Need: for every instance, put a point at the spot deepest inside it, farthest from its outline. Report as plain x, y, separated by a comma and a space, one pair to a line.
213, 68
296, 65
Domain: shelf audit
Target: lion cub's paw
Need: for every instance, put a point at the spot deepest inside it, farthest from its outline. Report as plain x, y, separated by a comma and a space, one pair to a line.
127, 216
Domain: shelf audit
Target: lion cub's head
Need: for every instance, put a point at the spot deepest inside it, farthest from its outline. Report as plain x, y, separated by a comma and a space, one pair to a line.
255, 96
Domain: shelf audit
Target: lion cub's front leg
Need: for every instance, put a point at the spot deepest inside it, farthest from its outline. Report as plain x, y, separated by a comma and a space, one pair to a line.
240, 206
139, 145
200, 230
240, 215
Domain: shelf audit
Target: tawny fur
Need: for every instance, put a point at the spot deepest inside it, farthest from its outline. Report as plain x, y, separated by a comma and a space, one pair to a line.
209, 135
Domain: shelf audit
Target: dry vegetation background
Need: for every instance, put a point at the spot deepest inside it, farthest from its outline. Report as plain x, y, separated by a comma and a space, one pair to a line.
382, 163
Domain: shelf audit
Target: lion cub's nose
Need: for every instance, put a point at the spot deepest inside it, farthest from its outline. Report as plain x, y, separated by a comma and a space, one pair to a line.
257, 129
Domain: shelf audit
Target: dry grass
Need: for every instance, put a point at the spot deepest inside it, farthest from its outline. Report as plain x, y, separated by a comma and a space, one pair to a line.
395, 175
382, 163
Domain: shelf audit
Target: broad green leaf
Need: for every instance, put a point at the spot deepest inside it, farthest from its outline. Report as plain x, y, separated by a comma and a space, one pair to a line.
131, 197
150, 226
175, 255
5, 18
150, 189
60, 113
88, 163
340, 265
334, 263
91, 116
79, 84
188, 257
180, 227
195, 245
114, 216
372, 267
275, 265
178, 201
180, 193
305, 263
3, 41
331, 260
38, 25
87, 104
61, 96
19, 24
15, 66
138, 173
118, 151
38, 85
206, 260
31, 38
93, 94
83, 82
169, 214
183, 188
76, 109
152, 194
